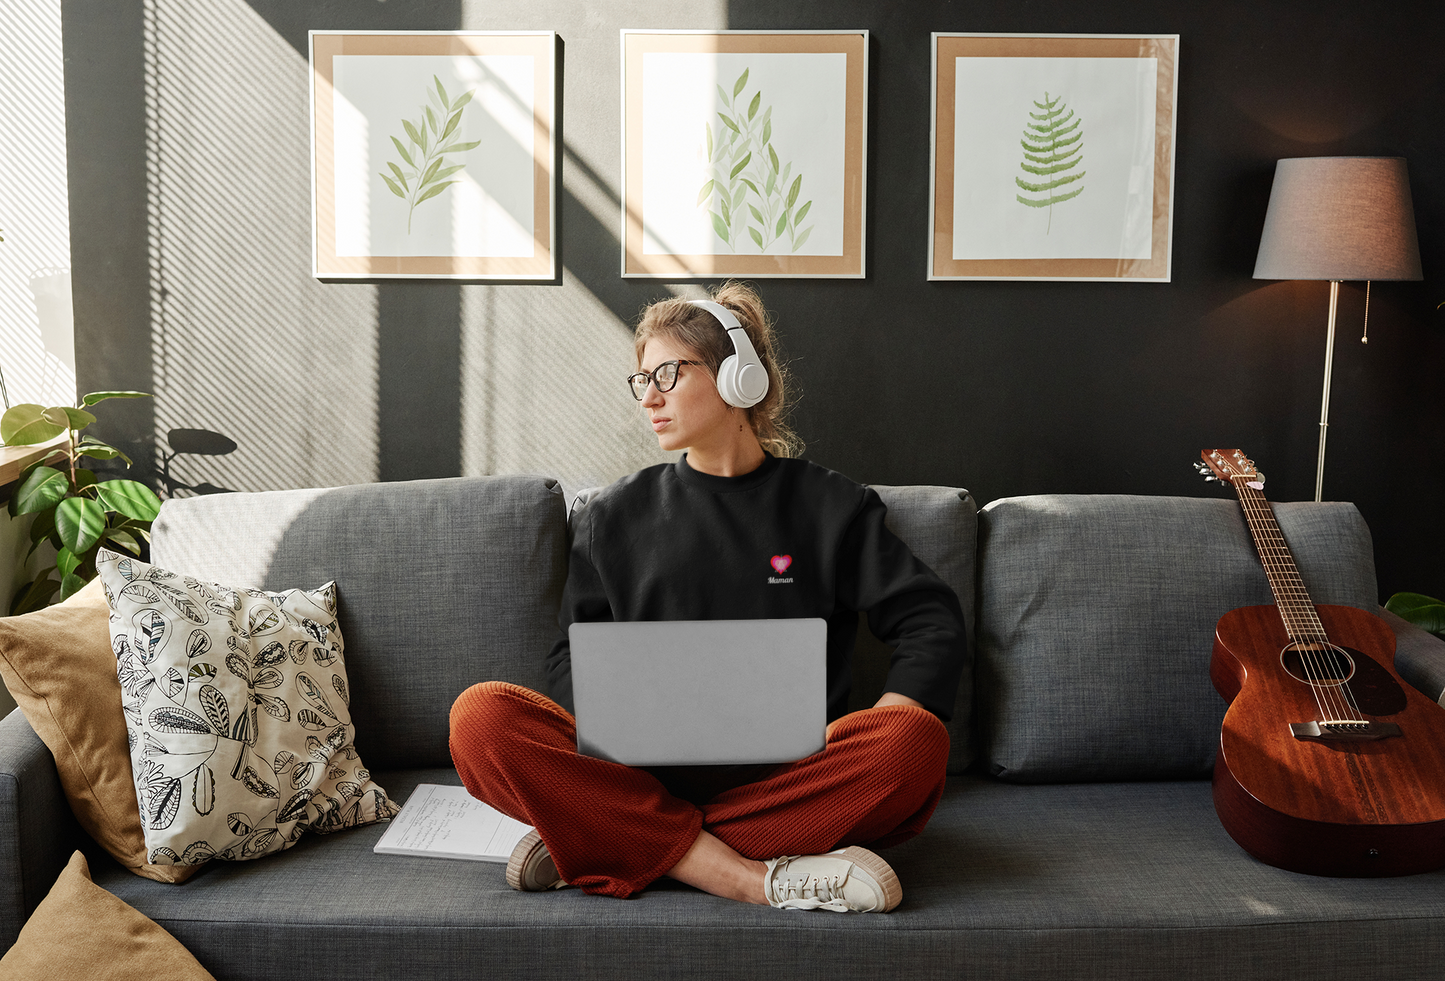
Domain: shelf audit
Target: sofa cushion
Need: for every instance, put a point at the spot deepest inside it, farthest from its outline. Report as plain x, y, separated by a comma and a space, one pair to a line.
1096, 625
1030, 883
81, 931
58, 664
441, 584
237, 708
940, 526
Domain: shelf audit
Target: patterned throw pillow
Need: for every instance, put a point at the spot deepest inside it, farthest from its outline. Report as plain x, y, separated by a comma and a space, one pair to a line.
236, 710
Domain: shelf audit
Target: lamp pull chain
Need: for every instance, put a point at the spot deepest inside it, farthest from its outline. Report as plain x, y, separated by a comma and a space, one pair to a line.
1365, 338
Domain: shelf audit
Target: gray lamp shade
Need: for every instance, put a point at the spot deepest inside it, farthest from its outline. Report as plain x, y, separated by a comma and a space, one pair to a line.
1339, 218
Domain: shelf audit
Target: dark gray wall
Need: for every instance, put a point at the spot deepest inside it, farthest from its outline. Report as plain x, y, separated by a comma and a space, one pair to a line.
1004, 388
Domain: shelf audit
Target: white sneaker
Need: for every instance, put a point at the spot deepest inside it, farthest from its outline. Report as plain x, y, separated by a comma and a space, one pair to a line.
849, 880
531, 868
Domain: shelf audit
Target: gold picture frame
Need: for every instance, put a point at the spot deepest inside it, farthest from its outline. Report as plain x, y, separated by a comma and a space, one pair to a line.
434, 155
711, 188
1052, 157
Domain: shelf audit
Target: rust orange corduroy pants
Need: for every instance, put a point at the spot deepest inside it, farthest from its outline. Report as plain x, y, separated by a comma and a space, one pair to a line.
613, 829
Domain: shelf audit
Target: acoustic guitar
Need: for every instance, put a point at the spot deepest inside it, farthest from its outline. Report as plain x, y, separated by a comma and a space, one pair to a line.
1329, 762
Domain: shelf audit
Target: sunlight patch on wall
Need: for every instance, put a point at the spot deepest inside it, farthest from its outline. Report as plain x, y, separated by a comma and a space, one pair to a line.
245, 343
37, 339
544, 388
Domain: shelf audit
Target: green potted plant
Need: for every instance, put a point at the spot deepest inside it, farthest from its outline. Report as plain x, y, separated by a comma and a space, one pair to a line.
74, 510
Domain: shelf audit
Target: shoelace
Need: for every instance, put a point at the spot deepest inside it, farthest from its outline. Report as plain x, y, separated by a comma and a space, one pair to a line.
806, 891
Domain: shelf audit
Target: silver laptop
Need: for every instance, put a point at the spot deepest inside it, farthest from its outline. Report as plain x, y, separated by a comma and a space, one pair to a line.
682, 692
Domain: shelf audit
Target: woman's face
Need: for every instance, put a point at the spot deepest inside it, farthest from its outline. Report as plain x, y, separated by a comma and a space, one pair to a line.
693, 413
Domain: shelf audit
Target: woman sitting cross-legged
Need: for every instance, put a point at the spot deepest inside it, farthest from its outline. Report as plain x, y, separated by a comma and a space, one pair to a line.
693, 540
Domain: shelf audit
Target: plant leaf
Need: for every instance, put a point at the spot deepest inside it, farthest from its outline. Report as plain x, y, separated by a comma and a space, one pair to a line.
719, 226
1425, 612
122, 539
441, 91
430, 173
757, 235
464, 98
66, 561
802, 238
95, 397
217, 709
401, 149
706, 191
64, 415
460, 147
767, 131
452, 124
753, 106
727, 121
41, 490
757, 214
130, 498
772, 157
79, 522
793, 191
34, 595
782, 224
70, 584
741, 82
722, 94
708, 127
802, 213
392, 184
431, 119
171, 718
24, 425
434, 190
203, 791
412, 134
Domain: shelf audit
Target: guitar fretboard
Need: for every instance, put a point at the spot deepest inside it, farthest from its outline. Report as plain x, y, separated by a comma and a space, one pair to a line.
1295, 607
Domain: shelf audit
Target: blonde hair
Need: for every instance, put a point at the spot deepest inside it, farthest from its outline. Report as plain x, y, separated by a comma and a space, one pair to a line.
699, 331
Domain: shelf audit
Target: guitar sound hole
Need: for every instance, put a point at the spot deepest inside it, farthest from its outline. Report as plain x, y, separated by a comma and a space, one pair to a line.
1322, 665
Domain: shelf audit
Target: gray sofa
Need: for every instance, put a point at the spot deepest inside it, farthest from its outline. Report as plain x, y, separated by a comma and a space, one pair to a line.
1077, 838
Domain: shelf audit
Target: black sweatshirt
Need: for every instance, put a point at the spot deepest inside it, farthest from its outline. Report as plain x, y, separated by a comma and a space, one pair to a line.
790, 539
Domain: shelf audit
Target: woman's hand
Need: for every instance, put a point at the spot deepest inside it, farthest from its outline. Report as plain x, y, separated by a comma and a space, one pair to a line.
893, 698
889, 698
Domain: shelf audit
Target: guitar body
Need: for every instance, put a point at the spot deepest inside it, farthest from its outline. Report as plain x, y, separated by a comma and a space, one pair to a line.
1336, 807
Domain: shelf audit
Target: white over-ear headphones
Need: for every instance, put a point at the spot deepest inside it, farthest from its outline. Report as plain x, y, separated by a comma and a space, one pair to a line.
742, 381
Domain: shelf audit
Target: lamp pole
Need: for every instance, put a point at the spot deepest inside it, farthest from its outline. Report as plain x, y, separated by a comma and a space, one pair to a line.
1325, 401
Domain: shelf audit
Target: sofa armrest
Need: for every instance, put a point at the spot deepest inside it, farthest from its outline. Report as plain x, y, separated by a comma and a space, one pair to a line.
1419, 656
38, 832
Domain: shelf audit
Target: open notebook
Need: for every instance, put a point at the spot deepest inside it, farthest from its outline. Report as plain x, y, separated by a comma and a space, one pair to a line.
439, 821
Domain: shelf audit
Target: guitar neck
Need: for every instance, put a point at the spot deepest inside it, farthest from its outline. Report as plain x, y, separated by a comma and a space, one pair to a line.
1295, 607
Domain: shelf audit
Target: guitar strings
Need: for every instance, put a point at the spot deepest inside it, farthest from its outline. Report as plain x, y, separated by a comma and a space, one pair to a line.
1332, 694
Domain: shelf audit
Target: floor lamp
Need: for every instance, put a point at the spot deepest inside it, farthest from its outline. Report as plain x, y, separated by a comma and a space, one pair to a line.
1338, 218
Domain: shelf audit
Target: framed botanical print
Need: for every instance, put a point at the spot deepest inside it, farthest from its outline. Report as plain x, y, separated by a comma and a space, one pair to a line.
744, 153
1052, 156
434, 155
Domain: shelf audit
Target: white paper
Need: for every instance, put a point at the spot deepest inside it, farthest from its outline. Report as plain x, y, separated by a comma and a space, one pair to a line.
447, 822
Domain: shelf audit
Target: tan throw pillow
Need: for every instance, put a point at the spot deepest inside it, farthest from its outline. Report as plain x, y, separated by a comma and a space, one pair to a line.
81, 931
61, 671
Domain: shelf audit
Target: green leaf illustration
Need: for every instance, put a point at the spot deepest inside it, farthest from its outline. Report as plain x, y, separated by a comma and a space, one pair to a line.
1052, 147
744, 168
432, 192
802, 212
802, 238
421, 174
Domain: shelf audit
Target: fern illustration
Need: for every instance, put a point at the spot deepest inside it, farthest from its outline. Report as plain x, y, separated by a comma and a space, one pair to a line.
424, 170
1053, 144
748, 187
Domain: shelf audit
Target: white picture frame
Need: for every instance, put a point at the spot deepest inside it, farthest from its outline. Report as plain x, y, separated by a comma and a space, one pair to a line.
773, 121
434, 155
1052, 156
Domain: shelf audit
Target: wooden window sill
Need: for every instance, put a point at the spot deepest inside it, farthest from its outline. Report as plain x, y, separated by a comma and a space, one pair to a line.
14, 460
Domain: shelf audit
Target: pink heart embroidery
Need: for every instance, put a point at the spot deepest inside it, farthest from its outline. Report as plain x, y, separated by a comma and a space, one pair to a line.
781, 563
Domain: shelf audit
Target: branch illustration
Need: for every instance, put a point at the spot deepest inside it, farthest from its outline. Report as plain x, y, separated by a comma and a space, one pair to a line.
428, 140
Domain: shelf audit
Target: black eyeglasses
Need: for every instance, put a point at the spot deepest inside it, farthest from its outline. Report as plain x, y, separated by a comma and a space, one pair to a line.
664, 376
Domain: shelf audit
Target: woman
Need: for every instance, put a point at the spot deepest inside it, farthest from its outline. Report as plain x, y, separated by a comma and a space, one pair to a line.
694, 540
